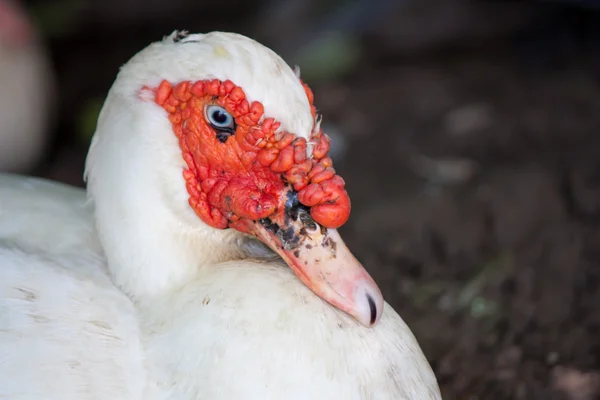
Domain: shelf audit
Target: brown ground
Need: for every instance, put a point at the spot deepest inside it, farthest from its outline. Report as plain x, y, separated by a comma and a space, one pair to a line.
475, 181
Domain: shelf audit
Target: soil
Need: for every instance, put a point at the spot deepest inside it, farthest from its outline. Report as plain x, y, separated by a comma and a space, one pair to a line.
475, 180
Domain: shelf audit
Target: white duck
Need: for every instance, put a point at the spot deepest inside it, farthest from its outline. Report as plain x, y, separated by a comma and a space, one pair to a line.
138, 293
27, 91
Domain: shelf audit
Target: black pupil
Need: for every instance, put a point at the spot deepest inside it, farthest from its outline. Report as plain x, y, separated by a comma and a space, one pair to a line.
219, 117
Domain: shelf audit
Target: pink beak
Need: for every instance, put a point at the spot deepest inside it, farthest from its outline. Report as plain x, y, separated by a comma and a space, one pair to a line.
321, 260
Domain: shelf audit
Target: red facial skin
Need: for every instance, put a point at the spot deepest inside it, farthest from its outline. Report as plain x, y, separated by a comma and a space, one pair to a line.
246, 177
250, 179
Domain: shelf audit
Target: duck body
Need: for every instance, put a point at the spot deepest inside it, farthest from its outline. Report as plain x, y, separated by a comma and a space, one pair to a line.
278, 340
66, 331
126, 291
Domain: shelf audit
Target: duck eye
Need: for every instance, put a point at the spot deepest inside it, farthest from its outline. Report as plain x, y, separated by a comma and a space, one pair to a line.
221, 121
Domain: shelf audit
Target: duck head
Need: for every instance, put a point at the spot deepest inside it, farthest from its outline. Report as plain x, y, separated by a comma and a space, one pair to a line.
205, 140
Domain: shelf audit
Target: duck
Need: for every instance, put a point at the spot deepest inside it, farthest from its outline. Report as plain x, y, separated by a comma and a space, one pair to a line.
28, 92
203, 260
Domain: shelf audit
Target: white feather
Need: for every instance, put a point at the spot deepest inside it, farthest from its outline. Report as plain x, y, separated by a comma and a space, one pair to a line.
130, 296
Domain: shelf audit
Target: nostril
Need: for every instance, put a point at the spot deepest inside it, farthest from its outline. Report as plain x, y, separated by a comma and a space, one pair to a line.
372, 308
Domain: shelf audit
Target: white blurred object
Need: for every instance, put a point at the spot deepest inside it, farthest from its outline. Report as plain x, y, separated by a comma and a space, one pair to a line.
469, 119
443, 171
26, 94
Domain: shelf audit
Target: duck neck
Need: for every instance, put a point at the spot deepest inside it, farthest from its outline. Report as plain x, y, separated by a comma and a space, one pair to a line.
153, 241
150, 253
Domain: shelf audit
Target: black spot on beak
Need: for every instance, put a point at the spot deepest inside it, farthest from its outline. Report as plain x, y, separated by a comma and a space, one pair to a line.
289, 240
269, 225
296, 211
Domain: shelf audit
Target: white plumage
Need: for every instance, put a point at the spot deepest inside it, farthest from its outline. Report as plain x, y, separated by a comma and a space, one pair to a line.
130, 296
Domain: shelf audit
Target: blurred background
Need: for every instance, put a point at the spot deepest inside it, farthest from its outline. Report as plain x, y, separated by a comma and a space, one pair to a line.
467, 132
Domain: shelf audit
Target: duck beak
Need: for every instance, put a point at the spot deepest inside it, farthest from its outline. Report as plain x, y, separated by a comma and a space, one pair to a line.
319, 257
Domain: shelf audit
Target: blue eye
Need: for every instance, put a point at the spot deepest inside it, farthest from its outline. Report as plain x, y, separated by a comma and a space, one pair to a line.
220, 119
